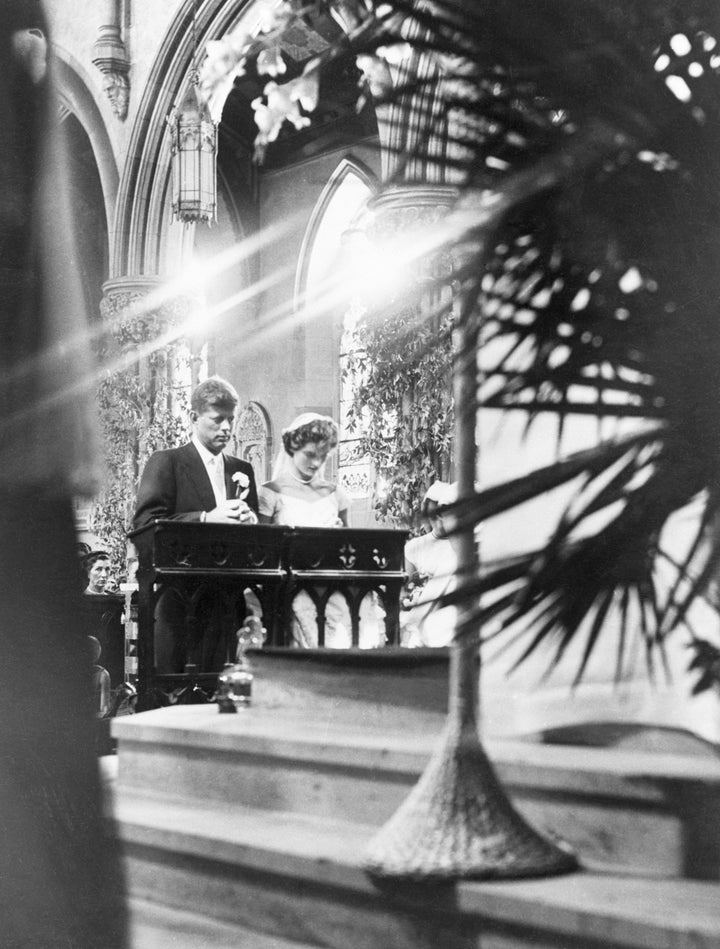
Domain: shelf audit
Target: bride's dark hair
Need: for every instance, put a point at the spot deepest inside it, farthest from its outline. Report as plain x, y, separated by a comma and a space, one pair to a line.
308, 427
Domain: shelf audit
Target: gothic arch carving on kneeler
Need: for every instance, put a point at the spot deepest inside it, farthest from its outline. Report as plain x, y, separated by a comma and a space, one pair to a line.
252, 439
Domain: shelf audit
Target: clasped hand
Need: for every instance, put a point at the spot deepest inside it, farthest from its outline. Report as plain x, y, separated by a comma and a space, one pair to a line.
233, 511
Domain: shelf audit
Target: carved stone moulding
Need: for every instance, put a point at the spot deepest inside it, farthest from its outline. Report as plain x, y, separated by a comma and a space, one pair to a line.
116, 87
111, 58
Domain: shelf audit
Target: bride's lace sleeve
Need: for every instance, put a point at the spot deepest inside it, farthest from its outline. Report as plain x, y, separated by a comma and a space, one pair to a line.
268, 501
343, 498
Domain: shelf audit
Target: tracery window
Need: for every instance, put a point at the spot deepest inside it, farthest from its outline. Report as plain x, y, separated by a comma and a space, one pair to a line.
344, 197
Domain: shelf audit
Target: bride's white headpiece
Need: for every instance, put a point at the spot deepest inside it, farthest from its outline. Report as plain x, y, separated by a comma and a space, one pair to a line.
441, 493
305, 419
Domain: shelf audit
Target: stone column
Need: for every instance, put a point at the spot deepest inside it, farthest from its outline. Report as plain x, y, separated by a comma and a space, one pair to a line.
148, 371
111, 58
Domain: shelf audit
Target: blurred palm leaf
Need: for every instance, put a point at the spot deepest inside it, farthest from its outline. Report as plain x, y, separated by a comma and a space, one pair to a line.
587, 133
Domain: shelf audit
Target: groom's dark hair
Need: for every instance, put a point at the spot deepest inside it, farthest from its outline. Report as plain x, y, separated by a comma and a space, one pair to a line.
213, 391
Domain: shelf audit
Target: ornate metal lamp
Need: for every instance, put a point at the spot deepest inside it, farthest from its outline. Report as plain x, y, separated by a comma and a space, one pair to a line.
194, 154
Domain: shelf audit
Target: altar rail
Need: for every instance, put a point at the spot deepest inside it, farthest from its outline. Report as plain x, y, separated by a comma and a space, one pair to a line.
211, 568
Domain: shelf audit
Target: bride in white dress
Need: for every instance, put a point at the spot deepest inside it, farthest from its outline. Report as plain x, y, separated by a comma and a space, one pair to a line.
299, 496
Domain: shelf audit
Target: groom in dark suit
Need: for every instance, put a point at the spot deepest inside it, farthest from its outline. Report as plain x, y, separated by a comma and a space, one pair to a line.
196, 482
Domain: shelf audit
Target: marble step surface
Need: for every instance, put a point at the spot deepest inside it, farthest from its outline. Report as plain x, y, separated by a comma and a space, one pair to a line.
636, 812
299, 878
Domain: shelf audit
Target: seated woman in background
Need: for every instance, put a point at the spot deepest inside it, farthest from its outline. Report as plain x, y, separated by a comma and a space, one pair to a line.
97, 571
430, 563
300, 496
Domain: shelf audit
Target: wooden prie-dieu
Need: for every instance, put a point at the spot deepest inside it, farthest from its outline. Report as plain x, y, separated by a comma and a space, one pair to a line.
219, 563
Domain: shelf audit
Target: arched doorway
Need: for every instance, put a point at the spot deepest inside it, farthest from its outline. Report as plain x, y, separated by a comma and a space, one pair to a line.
89, 250
86, 200
345, 195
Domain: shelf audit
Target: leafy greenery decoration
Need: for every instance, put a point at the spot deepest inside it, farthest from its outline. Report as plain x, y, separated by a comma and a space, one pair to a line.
401, 364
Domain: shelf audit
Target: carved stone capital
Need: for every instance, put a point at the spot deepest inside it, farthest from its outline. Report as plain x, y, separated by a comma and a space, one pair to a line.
138, 310
415, 215
413, 209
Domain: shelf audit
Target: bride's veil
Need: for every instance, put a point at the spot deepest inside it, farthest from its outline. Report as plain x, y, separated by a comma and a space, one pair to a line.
281, 465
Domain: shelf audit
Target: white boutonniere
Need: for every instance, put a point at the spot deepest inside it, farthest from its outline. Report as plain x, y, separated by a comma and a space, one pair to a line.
242, 485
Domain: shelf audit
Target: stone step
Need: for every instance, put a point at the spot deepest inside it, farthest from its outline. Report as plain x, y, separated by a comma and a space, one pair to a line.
645, 813
298, 878
153, 926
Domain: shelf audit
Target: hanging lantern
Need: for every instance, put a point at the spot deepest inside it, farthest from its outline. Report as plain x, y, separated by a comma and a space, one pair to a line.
194, 152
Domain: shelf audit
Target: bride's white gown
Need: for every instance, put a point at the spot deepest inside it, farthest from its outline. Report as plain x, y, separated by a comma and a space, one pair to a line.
318, 505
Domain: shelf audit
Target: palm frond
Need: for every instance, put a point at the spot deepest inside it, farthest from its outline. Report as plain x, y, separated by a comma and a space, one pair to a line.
596, 294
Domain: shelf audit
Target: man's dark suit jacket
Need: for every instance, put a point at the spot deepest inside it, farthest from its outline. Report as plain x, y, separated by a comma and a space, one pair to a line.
175, 485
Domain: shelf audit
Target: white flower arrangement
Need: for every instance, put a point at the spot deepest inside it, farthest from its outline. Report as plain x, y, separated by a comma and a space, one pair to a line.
261, 43
227, 58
